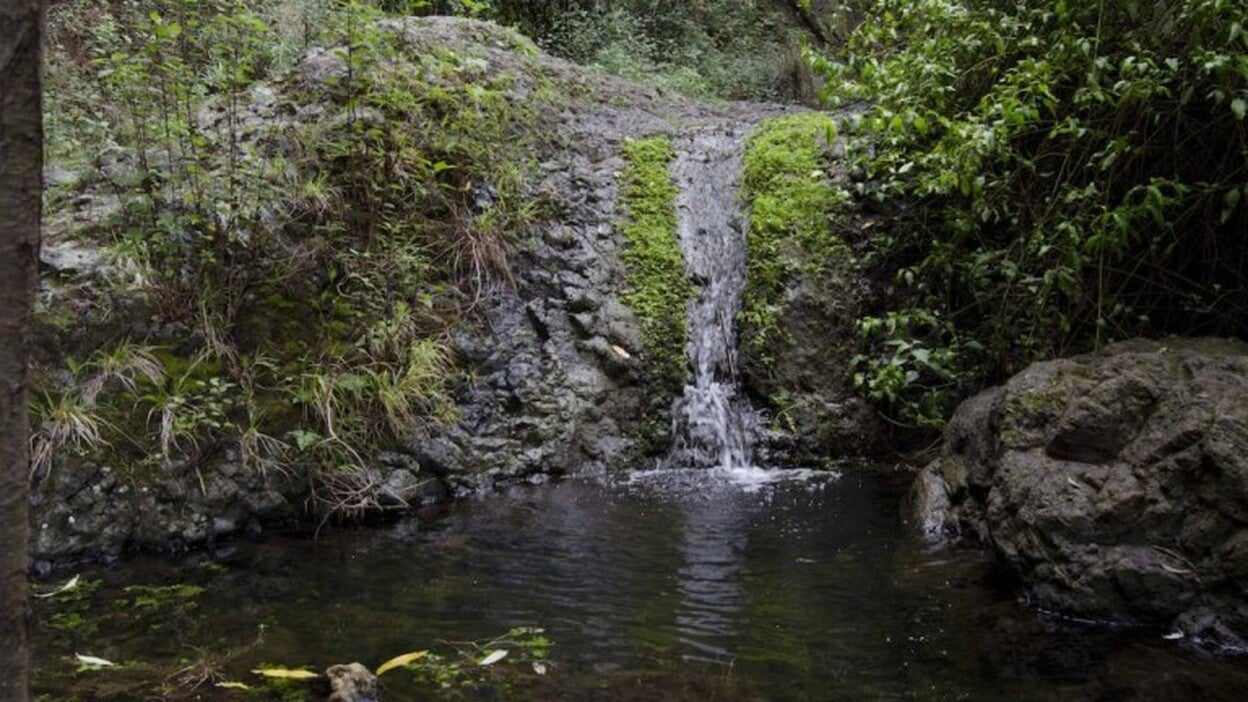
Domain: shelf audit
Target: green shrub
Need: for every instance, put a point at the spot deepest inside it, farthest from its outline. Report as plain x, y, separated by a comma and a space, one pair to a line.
1055, 176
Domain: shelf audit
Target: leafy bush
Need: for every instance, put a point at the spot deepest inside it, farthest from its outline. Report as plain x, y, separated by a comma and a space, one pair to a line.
733, 49
1056, 175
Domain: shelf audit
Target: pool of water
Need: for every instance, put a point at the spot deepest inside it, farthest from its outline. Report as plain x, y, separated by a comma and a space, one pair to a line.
670, 585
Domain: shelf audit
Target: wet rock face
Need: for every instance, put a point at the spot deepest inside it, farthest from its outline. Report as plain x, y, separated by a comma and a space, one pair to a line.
1114, 484
92, 511
556, 361
558, 381
827, 416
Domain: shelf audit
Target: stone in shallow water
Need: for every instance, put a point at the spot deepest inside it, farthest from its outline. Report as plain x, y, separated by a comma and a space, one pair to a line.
351, 683
1114, 484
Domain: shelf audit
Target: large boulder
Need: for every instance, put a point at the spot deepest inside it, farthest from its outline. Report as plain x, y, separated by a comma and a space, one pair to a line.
1115, 485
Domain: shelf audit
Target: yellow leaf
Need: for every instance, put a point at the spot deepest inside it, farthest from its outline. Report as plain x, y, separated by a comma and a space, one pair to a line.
286, 673
231, 685
400, 661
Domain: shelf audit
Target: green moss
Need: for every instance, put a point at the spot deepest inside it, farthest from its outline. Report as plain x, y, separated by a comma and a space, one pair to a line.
658, 291
792, 203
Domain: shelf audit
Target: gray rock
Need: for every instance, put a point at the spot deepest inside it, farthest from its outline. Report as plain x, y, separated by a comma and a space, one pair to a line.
351, 683
71, 257
1114, 484
88, 512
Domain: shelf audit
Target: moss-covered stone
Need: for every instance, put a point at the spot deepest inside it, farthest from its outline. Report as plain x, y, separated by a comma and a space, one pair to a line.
804, 289
658, 290
792, 203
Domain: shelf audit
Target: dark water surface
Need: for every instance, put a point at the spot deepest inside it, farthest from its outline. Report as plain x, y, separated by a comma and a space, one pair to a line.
674, 586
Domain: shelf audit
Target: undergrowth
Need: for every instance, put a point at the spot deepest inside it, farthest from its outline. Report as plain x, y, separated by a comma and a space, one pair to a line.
1054, 176
306, 253
726, 49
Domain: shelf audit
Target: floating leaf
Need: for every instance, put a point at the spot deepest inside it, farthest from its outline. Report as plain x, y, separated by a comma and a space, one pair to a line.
285, 673
494, 657
73, 583
93, 661
400, 661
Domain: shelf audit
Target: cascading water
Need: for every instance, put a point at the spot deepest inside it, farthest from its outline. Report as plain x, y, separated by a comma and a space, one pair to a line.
712, 421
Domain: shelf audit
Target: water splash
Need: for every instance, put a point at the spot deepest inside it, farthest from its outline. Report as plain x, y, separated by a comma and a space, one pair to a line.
712, 421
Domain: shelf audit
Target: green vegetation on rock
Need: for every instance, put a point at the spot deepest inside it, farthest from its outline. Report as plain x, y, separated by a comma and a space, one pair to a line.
793, 204
726, 49
658, 291
300, 243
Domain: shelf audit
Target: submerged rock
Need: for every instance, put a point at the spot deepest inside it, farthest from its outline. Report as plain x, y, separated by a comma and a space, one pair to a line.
1115, 485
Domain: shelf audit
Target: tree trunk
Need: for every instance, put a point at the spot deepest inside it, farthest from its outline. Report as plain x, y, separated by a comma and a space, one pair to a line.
21, 184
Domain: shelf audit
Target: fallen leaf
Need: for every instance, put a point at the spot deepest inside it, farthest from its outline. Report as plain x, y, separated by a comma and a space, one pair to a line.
621, 352
539, 667
285, 673
73, 583
494, 657
232, 685
400, 661
1174, 636
93, 661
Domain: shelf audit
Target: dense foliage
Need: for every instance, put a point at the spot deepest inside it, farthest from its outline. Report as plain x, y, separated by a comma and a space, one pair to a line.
734, 49
1056, 175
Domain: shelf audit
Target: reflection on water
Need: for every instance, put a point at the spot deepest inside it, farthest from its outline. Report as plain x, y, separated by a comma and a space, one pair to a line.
712, 548
671, 585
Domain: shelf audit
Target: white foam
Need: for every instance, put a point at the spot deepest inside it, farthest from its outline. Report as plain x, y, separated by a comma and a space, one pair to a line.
746, 479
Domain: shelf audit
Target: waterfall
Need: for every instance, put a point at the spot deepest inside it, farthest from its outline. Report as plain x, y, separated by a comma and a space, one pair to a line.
712, 421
